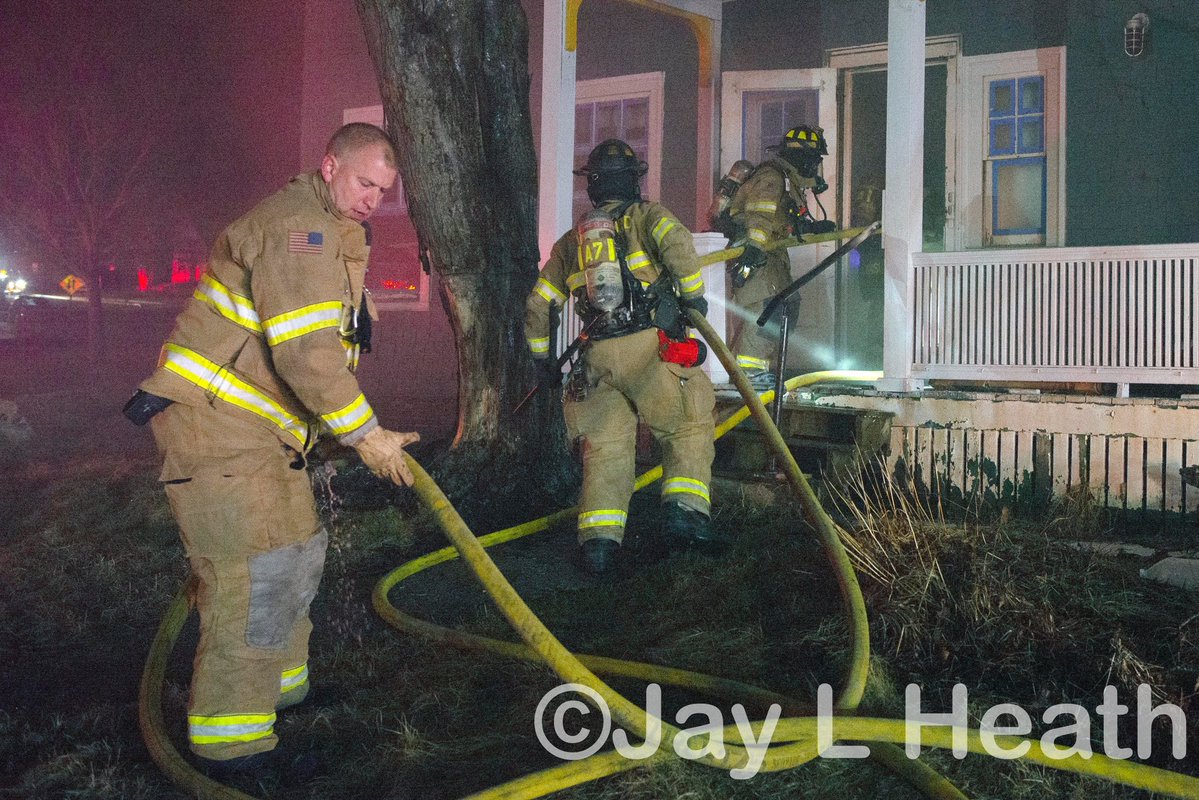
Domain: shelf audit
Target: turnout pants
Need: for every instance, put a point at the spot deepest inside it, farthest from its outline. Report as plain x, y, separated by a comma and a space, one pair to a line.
756, 347
625, 378
249, 526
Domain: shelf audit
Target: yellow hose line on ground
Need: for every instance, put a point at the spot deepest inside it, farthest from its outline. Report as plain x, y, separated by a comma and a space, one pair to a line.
149, 707
918, 774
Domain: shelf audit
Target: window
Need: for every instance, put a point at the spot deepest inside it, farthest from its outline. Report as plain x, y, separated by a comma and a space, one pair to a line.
626, 119
627, 107
768, 115
1013, 133
1015, 161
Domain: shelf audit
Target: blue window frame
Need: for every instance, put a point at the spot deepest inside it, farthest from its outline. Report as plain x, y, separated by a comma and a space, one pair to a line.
1016, 152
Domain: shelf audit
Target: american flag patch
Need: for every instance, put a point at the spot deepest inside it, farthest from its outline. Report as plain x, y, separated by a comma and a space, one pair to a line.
305, 241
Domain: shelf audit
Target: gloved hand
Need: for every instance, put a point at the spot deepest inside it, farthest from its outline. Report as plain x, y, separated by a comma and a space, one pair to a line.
744, 267
382, 451
698, 303
822, 226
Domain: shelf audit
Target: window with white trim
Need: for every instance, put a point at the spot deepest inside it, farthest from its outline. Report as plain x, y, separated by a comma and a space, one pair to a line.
626, 107
1015, 159
1013, 133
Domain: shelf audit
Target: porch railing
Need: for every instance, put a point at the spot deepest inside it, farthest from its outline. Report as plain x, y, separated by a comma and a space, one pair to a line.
1106, 315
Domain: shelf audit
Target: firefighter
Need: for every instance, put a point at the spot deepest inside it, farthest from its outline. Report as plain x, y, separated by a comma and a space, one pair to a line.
260, 363
632, 269
770, 205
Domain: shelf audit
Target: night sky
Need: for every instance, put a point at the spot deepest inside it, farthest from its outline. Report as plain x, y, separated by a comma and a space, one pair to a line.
216, 83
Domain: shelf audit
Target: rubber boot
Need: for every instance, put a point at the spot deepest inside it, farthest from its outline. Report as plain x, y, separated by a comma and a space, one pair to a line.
598, 556
686, 526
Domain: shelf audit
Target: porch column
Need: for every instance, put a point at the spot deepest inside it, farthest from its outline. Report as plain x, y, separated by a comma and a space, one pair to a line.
707, 140
555, 181
903, 216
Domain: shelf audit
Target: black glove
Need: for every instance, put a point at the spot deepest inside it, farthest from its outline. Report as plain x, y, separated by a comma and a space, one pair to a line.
744, 267
698, 303
821, 226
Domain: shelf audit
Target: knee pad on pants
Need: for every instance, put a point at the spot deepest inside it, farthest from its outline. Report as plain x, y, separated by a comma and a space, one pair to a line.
283, 583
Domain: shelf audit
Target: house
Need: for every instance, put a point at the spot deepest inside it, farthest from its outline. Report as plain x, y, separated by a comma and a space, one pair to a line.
1032, 162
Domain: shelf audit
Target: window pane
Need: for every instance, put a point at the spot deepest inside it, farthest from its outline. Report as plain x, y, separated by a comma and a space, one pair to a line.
1003, 98
1019, 196
772, 123
1032, 95
636, 123
1003, 137
1032, 134
607, 121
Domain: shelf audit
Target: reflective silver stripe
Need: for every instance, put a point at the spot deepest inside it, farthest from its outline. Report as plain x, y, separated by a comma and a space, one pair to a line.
608, 517
693, 282
576, 280
687, 486
749, 362
539, 345
758, 236
763, 205
223, 384
664, 226
349, 417
637, 260
229, 728
229, 305
293, 678
549, 291
303, 320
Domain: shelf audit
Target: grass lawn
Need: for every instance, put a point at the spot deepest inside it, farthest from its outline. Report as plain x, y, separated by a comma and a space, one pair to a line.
89, 559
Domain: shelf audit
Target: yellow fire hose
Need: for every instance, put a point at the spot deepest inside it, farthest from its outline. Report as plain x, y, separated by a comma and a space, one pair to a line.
794, 739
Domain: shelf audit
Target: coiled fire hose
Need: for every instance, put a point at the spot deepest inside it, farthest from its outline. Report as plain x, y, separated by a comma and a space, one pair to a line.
794, 739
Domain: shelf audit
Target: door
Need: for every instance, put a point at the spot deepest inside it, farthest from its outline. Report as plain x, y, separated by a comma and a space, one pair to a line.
757, 108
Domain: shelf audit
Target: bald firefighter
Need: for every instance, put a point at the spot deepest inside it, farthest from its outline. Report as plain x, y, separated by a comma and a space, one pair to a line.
771, 205
632, 269
261, 362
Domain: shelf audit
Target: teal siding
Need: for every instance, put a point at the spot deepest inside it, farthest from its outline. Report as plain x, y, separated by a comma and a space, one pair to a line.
1132, 163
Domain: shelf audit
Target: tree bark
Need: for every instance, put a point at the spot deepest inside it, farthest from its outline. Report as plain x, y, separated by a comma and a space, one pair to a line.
455, 87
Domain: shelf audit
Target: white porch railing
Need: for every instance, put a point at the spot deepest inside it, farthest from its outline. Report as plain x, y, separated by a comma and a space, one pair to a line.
1107, 315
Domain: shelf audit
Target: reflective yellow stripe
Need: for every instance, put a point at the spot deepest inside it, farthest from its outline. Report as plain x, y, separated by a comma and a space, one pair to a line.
757, 235
576, 281
749, 362
548, 291
293, 678
229, 728
687, 486
664, 226
539, 345
767, 206
303, 320
229, 305
223, 384
638, 260
349, 417
693, 282
605, 517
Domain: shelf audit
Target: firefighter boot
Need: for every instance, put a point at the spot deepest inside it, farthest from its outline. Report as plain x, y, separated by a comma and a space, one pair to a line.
689, 527
598, 556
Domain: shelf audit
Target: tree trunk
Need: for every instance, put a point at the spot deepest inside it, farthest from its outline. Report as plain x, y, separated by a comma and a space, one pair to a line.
455, 87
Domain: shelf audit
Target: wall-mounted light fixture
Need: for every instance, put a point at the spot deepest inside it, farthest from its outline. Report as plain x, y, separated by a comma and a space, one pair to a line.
1134, 34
